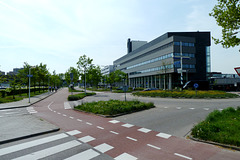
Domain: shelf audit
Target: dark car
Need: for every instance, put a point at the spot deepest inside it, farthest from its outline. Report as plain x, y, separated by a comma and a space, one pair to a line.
150, 89
201, 85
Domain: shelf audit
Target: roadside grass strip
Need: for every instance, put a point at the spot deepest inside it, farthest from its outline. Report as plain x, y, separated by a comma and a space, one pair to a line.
220, 126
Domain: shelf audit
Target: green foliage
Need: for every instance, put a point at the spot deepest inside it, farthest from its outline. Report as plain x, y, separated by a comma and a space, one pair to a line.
79, 96
94, 75
227, 15
75, 75
222, 127
186, 94
114, 107
116, 76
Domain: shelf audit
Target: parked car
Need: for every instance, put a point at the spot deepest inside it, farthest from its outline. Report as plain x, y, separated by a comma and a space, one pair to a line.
150, 89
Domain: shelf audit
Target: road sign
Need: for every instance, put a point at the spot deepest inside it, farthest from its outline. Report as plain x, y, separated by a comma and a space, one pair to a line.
195, 85
29, 75
179, 70
237, 69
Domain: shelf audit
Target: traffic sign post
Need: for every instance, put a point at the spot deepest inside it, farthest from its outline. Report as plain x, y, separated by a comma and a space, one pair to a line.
196, 86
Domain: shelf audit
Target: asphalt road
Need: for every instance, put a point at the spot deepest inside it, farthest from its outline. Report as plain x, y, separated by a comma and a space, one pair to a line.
172, 116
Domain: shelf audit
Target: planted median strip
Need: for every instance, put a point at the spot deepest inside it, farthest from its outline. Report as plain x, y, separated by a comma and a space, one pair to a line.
79, 96
186, 94
114, 107
220, 126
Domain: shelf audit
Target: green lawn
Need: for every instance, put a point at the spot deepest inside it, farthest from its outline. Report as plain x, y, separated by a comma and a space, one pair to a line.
220, 126
114, 107
186, 94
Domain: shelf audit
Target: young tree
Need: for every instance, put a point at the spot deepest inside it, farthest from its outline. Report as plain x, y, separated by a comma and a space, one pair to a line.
94, 75
75, 75
227, 15
83, 65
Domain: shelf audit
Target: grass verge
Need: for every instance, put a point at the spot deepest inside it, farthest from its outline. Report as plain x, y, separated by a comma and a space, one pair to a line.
186, 94
79, 96
114, 107
220, 126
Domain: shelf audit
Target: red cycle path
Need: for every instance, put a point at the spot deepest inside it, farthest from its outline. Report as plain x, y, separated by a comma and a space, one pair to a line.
125, 140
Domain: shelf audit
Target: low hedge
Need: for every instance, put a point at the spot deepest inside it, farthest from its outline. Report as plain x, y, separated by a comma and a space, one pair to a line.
114, 107
186, 94
79, 96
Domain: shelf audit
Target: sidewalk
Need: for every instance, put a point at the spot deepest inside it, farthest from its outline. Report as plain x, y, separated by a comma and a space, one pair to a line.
25, 101
17, 127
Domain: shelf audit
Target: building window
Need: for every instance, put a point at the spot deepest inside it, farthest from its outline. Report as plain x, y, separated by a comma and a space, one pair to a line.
208, 60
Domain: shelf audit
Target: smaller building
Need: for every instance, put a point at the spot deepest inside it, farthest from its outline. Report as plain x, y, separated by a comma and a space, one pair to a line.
14, 72
107, 70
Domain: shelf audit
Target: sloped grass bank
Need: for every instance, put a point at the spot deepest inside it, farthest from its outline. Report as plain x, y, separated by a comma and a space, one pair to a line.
220, 126
114, 107
186, 94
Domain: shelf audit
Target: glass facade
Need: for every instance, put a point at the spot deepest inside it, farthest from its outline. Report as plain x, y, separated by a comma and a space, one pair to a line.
208, 60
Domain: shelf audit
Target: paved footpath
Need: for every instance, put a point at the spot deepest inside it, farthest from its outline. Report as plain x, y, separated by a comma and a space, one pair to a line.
17, 121
122, 140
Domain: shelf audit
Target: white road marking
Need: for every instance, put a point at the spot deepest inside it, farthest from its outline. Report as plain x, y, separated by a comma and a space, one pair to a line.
100, 127
87, 139
88, 123
71, 117
192, 108
165, 107
67, 105
114, 132
32, 112
26, 145
114, 121
74, 132
54, 111
10, 113
127, 125
64, 115
58, 113
125, 156
103, 147
133, 139
153, 146
206, 109
144, 130
79, 120
50, 151
164, 135
86, 155
220, 109
182, 156
179, 107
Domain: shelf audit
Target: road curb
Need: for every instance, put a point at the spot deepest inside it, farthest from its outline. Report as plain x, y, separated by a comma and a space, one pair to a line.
215, 143
29, 136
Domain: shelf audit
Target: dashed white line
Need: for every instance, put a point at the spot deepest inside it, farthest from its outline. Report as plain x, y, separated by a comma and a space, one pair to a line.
114, 121
192, 108
74, 132
144, 130
127, 125
206, 109
87, 139
125, 156
153, 146
64, 115
88, 123
71, 117
182, 156
79, 120
58, 113
114, 132
133, 139
100, 127
103, 147
179, 107
163, 135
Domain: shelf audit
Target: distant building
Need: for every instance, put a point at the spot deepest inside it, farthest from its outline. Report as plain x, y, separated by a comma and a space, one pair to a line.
15, 71
157, 63
107, 70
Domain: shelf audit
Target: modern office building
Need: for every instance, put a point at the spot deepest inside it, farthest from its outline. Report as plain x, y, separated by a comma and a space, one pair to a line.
160, 62
107, 70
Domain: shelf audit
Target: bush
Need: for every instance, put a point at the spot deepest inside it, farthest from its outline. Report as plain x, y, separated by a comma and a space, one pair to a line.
186, 94
114, 107
79, 96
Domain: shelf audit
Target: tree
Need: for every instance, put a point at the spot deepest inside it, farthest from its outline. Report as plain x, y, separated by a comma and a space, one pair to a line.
75, 75
83, 65
94, 75
227, 15
116, 76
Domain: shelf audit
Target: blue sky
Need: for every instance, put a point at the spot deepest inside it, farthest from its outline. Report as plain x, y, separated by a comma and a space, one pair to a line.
58, 32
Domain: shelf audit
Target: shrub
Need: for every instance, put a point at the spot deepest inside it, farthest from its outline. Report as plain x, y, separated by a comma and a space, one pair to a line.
79, 96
